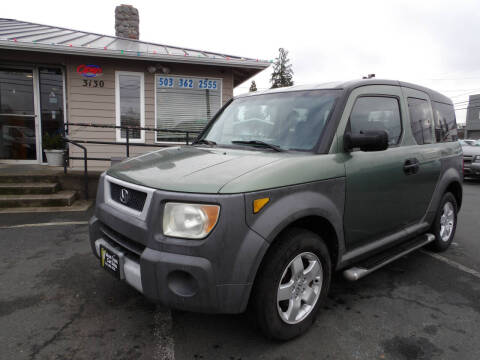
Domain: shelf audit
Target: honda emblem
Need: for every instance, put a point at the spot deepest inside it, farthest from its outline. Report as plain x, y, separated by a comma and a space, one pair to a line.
124, 196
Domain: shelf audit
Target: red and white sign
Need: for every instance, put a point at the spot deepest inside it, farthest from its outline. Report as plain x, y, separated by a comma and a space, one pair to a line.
89, 71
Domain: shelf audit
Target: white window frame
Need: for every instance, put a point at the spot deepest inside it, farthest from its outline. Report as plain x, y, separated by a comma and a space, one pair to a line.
155, 95
142, 106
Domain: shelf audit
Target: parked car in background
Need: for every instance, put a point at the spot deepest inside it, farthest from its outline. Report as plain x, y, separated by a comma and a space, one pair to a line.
281, 189
469, 142
471, 160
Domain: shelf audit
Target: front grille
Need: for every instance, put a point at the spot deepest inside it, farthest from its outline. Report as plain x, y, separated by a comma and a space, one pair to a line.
127, 245
132, 198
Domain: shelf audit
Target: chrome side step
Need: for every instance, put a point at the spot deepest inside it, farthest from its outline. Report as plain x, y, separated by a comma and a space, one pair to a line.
378, 261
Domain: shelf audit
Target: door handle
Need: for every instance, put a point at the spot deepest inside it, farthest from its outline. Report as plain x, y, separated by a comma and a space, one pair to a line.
411, 166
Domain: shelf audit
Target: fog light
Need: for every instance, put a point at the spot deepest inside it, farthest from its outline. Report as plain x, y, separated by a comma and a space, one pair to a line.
182, 283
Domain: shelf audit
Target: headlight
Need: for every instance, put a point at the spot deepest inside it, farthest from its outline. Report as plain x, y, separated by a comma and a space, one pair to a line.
476, 159
192, 221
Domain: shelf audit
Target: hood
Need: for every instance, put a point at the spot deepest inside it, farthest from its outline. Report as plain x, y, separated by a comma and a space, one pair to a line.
191, 169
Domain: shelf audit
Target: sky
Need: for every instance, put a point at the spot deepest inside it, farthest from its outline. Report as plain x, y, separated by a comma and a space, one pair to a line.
430, 43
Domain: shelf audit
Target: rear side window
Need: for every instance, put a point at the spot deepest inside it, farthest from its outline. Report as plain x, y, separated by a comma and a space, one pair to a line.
445, 122
420, 120
377, 113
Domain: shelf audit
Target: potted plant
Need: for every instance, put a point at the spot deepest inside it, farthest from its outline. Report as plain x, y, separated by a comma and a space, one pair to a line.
54, 146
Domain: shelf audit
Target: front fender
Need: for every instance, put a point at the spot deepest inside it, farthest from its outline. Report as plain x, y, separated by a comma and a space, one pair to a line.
287, 204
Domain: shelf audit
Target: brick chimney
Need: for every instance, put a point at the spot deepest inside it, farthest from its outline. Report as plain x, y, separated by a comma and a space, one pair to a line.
127, 22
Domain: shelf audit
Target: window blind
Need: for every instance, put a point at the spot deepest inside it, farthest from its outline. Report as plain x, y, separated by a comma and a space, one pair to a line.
185, 104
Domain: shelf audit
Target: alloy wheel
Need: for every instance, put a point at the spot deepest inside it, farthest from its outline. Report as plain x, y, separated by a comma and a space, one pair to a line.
299, 288
447, 221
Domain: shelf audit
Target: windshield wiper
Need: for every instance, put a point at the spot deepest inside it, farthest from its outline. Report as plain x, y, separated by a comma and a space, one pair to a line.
257, 143
205, 141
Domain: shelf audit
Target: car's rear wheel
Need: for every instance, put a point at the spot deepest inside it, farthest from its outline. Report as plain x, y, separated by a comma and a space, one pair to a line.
292, 284
445, 223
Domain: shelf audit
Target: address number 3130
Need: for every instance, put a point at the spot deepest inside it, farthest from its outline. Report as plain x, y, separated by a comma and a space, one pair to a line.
93, 83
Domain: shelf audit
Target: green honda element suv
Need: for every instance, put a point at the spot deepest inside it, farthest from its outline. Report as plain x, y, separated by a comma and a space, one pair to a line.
281, 189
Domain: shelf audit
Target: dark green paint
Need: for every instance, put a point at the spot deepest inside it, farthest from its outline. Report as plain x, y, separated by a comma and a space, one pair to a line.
380, 198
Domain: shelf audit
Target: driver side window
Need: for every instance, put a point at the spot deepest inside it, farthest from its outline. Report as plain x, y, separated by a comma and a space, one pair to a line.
377, 113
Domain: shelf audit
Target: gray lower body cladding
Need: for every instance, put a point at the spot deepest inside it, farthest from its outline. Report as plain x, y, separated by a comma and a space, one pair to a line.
187, 282
212, 275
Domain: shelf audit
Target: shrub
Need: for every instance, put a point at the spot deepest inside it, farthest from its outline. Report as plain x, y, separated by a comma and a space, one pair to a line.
53, 142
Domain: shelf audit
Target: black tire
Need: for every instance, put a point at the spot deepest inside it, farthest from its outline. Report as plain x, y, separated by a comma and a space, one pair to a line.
293, 242
439, 244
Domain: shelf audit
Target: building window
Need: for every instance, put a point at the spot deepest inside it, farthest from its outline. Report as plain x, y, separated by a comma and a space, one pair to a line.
420, 120
445, 122
377, 113
185, 103
130, 105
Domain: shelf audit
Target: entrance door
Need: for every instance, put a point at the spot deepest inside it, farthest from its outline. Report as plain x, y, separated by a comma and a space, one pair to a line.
18, 139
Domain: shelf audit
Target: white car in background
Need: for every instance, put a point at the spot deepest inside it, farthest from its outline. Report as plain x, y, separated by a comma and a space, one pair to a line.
471, 158
466, 142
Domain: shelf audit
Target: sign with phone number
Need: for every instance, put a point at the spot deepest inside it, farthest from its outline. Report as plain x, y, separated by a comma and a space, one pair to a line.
186, 83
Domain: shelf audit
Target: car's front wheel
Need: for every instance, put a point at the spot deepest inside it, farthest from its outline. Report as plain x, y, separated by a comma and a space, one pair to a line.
292, 284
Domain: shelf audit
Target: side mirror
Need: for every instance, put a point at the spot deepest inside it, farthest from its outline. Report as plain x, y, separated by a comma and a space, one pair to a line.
367, 141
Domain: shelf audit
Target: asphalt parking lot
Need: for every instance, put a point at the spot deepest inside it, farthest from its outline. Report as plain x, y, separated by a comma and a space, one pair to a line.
57, 303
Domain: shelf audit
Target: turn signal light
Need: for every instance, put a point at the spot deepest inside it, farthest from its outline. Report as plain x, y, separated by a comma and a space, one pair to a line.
258, 204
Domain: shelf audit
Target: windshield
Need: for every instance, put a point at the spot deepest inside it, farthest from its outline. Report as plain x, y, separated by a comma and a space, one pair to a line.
289, 121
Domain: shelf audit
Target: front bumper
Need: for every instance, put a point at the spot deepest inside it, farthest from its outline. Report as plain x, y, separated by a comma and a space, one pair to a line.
177, 280
472, 169
213, 275
475, 169
129, 268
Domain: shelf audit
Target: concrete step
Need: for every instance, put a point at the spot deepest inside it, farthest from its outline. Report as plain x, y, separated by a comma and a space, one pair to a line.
78, 206
28, 177
29, 188
61, 198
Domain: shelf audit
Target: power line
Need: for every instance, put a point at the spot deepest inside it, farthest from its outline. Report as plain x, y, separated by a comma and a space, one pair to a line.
452, 79
467, 101
468, 107
467, 93
456, 90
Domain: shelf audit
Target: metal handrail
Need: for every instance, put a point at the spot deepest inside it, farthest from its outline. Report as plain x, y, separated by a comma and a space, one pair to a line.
133, 128
85, 159
127, 143
128, 129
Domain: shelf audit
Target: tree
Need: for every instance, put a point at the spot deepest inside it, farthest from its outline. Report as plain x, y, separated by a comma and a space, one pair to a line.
282, 74
253, 87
